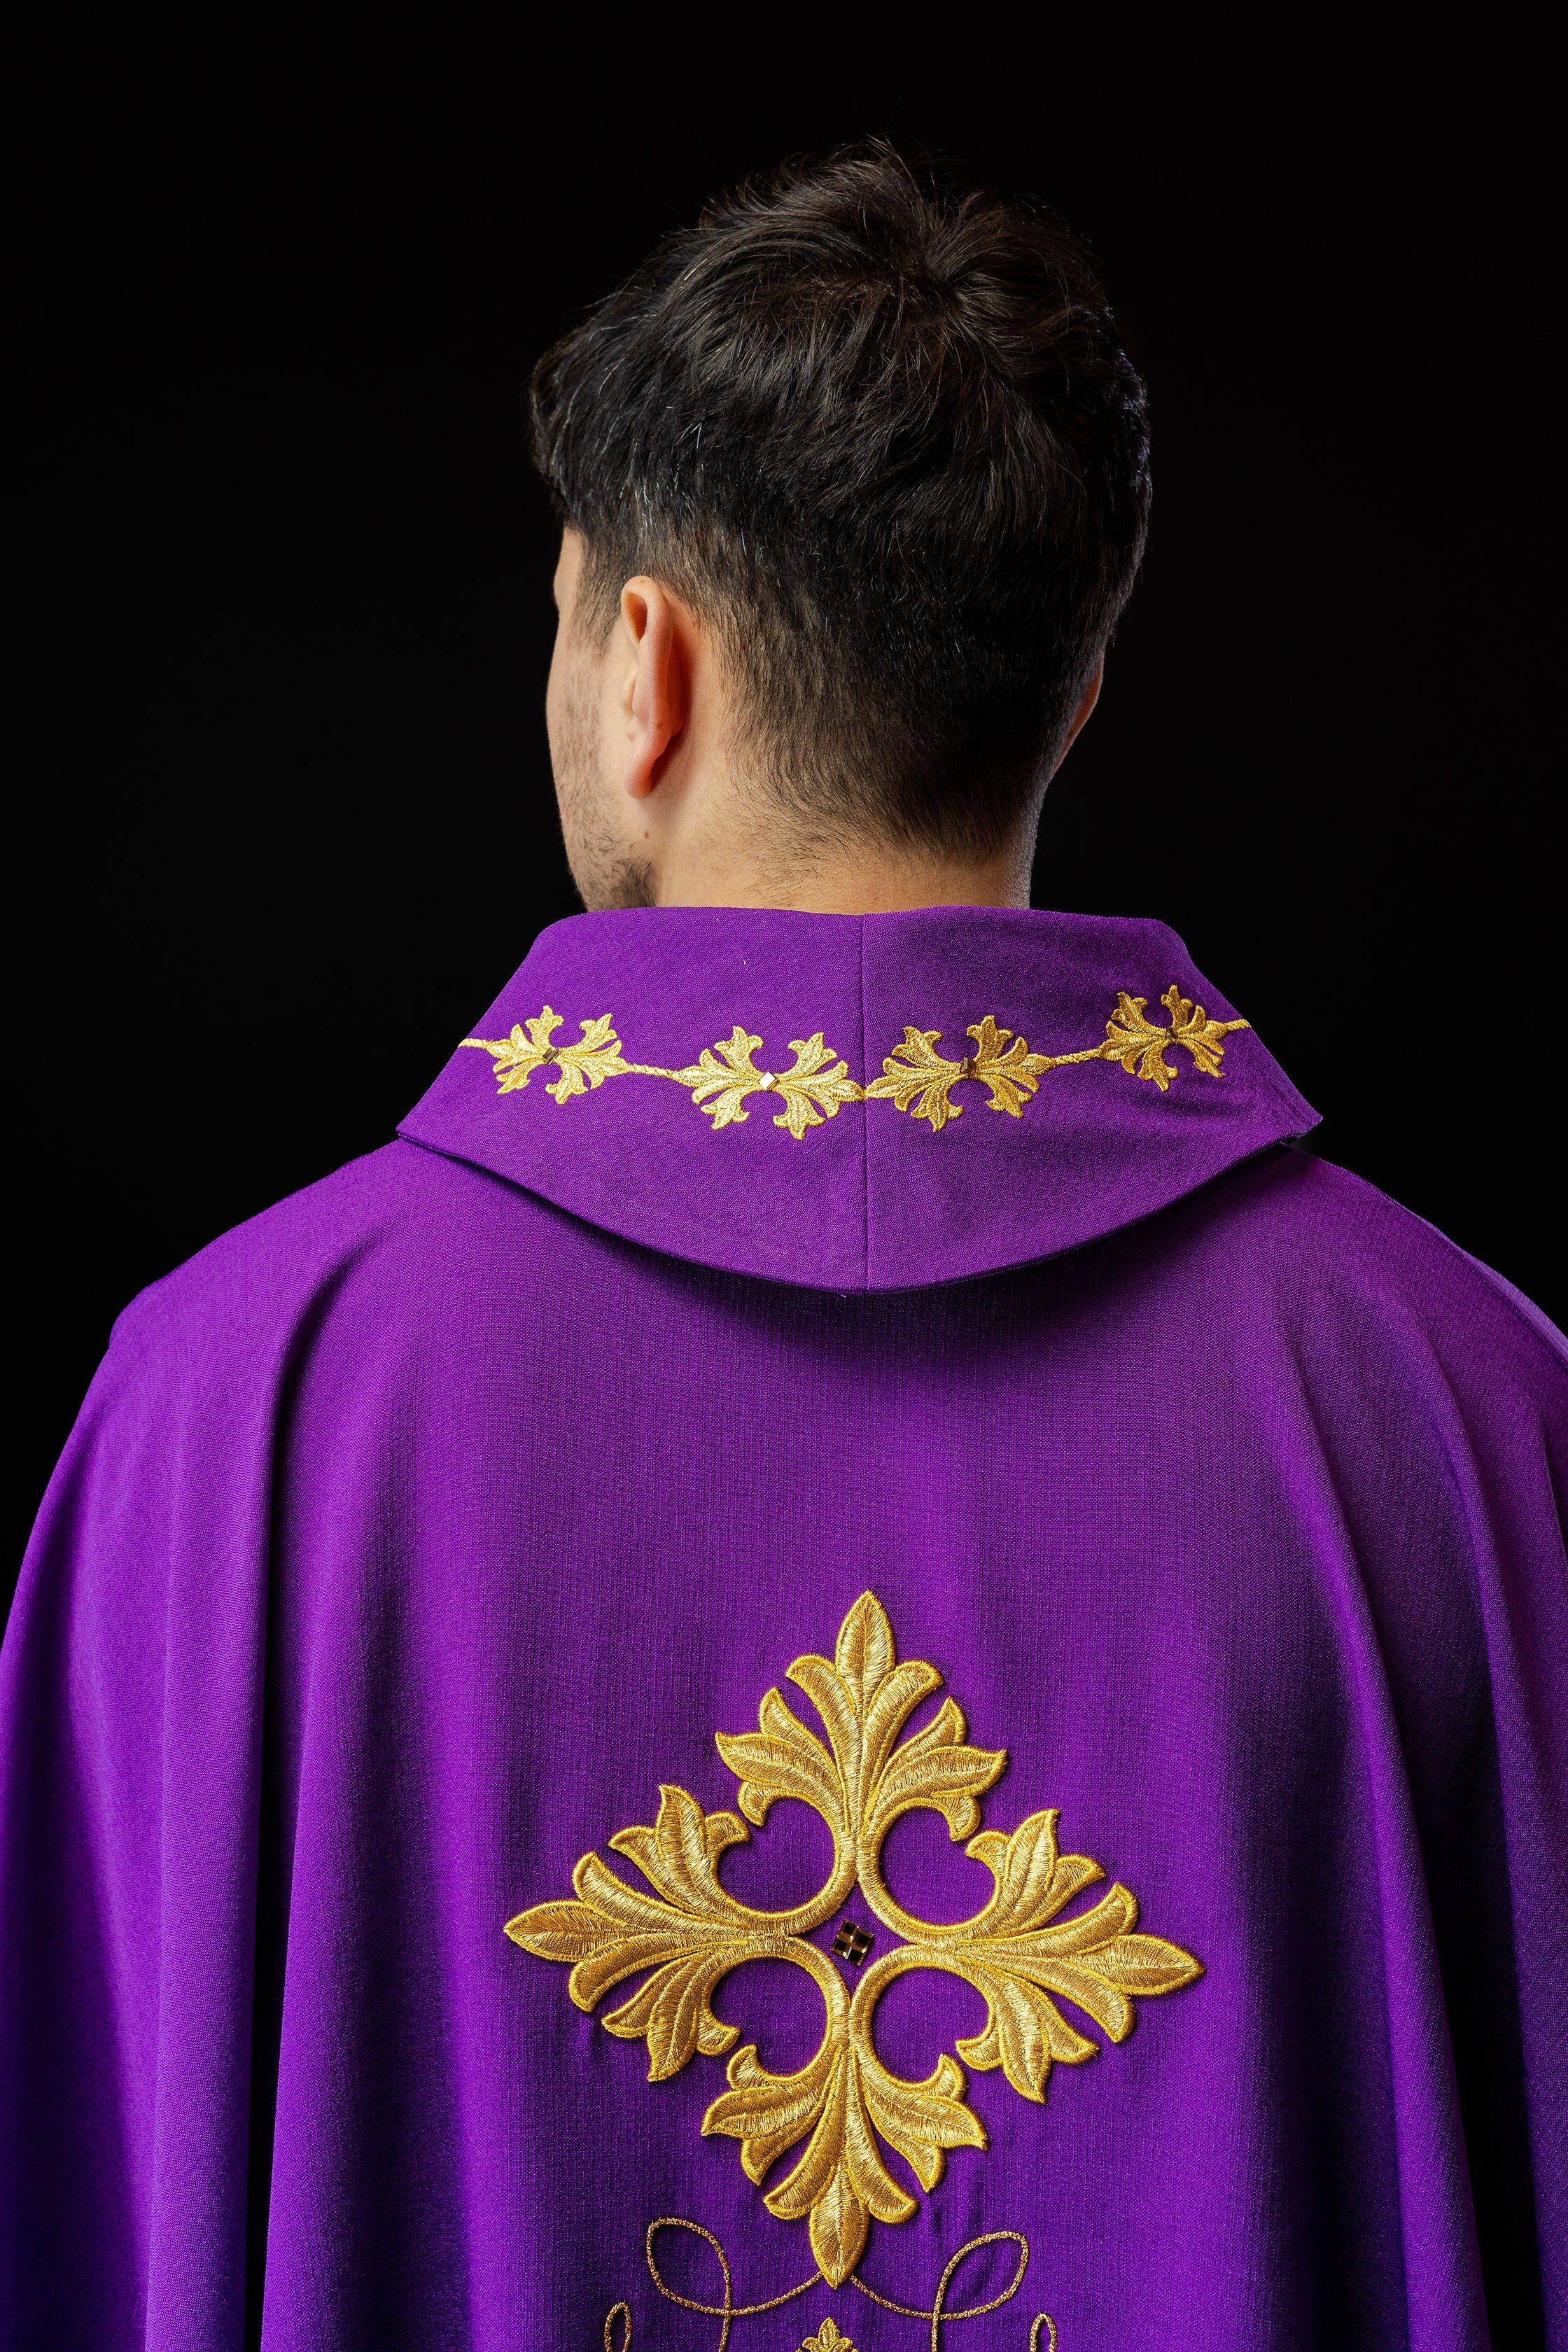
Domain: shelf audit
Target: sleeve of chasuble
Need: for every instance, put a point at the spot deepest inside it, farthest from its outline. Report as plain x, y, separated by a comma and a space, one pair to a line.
1446, 1392
1499, 1874
130, 1734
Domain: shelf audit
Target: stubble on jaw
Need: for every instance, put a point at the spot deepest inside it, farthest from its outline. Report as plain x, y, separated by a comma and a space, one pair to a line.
606, 873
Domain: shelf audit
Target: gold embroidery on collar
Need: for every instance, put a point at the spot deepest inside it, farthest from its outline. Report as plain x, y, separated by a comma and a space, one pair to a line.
720, 1081
688, 1933
920, 1080
915, 1078
1130, 1039
595, 1056
810, 1091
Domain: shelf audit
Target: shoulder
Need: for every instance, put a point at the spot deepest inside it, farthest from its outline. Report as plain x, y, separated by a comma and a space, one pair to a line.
383, 1237
1349, 1275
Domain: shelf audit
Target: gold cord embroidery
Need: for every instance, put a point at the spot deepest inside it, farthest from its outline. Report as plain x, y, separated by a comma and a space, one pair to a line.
828, 2336
688, 1933
729, 2311
915, 1078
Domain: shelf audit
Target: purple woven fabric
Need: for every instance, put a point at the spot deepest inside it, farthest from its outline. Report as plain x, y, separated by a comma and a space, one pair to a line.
866, 1203
414, 1535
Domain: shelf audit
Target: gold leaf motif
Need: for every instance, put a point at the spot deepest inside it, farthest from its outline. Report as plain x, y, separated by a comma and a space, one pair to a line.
814, 1086
518, 1056
1014, 1075
827, 2338
721, 1077
915, 1078
1012, 1955
1138, 1044
840, 2182
1020, 1953
811, 1090
690, 1933
595, 1056
864, 1655
919, 1080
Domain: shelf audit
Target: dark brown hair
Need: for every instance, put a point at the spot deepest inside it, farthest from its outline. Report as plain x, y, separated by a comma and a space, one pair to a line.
885, 440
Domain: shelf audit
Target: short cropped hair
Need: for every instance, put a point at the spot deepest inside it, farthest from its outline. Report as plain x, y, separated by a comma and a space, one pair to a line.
885, 440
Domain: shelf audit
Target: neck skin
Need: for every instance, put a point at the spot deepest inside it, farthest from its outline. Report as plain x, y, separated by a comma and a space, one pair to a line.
658, 808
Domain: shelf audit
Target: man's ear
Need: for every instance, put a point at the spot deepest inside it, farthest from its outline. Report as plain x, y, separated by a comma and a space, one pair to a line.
657, 690
1081, 716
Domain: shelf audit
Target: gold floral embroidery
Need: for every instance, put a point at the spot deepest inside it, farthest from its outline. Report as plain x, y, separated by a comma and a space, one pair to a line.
920, 1080
811, 1090
1019, 1952
915, 1078
1130, 1039
826, 2339
720, 1081
595, 1056
829, 2338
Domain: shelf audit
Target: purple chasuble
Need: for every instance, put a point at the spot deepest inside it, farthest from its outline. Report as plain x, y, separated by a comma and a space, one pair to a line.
838, 1652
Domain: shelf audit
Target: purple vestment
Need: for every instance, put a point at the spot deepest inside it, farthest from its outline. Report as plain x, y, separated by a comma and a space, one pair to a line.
842, 1504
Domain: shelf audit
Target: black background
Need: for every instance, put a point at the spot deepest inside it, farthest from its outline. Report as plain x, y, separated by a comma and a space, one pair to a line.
280, 614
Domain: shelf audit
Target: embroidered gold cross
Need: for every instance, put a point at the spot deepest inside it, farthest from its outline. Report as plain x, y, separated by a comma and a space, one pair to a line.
1024, 1952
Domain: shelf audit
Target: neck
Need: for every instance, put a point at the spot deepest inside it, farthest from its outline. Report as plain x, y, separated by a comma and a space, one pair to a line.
844, 879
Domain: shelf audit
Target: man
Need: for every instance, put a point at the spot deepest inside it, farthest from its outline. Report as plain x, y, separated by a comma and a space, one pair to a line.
839, 1650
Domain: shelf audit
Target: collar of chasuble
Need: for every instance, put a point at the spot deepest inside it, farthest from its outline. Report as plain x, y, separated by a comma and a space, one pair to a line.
847, 1102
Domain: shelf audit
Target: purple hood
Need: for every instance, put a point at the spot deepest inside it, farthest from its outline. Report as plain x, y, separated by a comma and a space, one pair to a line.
859, 1102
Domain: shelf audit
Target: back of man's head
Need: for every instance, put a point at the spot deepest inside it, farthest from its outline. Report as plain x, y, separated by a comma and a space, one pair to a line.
886, 443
